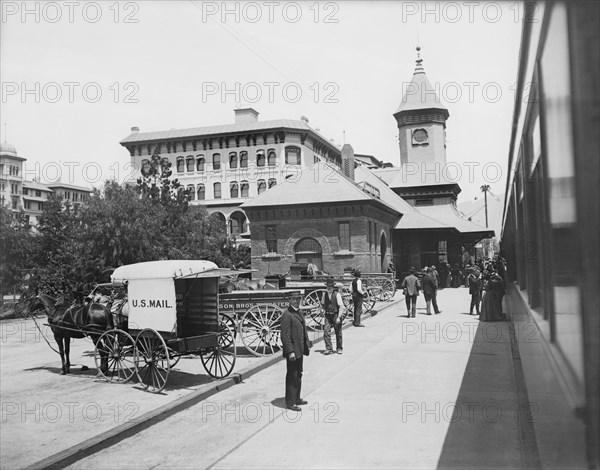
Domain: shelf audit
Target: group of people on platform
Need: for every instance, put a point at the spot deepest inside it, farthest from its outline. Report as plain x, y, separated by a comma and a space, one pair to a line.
485, 280
294, 335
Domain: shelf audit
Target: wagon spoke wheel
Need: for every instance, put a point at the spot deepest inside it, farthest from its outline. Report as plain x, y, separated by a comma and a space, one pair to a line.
114, 356
314, 316
152, 362
383, 288
173, 358
220, 360
227, 339
261, 329
368, 303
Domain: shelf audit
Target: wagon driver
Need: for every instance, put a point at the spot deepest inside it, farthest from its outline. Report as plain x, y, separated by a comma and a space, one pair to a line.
296, 344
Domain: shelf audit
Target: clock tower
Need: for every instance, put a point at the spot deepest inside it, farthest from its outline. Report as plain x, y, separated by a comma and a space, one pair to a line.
421, 118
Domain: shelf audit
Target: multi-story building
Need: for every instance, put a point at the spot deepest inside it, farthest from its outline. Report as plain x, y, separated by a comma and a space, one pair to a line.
11, 177
226, 165
29, 196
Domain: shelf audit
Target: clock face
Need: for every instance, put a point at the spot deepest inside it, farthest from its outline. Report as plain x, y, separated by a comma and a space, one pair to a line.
420, 135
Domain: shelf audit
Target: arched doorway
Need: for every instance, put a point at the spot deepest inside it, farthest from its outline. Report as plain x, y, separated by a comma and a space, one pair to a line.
238, 224
383, 245
308, 250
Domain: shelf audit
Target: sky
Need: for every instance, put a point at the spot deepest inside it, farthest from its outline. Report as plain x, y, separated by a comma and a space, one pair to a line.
76, 76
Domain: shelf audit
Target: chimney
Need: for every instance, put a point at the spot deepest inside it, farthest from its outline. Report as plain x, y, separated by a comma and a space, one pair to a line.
135, 129
243, 115
348, 161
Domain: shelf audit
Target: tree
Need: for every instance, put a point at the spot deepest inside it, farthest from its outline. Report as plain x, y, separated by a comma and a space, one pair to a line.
16, 244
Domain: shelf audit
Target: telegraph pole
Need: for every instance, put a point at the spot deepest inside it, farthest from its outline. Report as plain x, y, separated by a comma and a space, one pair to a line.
485, 188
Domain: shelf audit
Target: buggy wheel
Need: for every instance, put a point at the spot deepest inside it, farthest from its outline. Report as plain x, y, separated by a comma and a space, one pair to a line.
383, 288
261, 329
315, 318
227, 339
173, 358
114, 355
152, 362
220, 360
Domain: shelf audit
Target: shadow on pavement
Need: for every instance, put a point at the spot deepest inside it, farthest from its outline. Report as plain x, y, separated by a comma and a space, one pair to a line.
484, 429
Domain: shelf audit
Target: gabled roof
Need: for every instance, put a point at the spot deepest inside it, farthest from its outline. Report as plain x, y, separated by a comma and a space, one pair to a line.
419, 93
411, 217
321, 183
448, 214
36, 185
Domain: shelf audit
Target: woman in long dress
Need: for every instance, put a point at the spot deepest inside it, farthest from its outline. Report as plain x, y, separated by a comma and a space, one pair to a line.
491, 304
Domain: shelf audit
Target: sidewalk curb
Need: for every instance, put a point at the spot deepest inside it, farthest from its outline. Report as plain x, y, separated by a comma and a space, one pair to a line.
108, 438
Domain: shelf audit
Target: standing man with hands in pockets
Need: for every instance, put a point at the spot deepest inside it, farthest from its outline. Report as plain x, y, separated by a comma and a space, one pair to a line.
296, 344
334, 314
358, 292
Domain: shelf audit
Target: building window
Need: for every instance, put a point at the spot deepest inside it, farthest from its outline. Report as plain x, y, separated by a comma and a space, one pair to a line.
244, 188
216, 161
38, 194
344, 234
201, 192
424, 202
292, 156
180, 164
272, 182
191, 192
261, 186
260, 158
308, 250
190, 163
233, 160
234, 189
244, 159
200, 163
272, 157
27, 204
217, 190
271, 238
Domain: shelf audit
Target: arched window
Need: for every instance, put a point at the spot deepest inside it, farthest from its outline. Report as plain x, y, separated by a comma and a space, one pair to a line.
272, 157
244, 188
272, 182
180, 164
244, 159
260, 158
201, 192
217, 190
200, 163
234, 189
190, 163
216, 161
233, 160
145, 166
191, 192
262, 186
292, 155
308, 250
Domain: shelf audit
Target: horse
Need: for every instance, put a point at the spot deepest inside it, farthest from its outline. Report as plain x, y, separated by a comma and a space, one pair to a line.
74, 321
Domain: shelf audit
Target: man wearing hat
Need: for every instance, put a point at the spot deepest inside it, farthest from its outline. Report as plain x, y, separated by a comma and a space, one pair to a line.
475, 286
296, 344
358, 293
411, 286
334, 315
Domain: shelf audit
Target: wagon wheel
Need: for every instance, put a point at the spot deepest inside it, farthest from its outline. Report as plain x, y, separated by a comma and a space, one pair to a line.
152, 362
315, 318
173, 358
367, 305
230, 322
383, 288
261, 329
115, 348
220, 360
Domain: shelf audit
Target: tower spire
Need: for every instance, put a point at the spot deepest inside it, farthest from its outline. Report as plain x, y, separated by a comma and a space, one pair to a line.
419, 68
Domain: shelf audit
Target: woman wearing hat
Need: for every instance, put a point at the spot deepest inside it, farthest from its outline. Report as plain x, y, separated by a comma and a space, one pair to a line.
334, 314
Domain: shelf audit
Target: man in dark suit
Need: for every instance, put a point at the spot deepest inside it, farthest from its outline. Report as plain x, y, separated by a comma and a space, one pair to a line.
430, 287
296, 344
